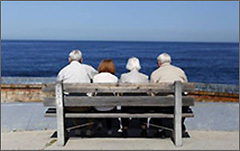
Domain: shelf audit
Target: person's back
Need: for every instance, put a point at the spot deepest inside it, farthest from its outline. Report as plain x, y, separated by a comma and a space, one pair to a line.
76, 72
106, 74
105, 77
167, 73
133, 76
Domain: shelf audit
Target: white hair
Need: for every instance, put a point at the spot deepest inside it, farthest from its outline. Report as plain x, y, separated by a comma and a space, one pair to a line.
164, 57
133, 63
75, 55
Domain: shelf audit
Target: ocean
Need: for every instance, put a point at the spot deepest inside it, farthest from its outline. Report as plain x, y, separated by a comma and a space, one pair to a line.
202, 62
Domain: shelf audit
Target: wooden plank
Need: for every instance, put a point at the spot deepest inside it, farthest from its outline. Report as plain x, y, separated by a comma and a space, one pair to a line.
125, 101
123, 115
121, 88
178, 114
51, 112
60, 115
115, 115
119, 101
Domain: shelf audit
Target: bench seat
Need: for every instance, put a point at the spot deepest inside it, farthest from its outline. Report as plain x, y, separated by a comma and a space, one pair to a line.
61, 96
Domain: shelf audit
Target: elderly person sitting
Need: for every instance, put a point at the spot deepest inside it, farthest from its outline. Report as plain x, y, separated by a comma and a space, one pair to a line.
76, 72
134, 76
167, 73
106, 74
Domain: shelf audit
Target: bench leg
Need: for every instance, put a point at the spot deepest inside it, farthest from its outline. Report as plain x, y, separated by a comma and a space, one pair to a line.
61, 133
177, 133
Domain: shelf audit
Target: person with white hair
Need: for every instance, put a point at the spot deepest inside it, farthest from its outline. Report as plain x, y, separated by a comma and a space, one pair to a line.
76, 72
167, 73
134, 76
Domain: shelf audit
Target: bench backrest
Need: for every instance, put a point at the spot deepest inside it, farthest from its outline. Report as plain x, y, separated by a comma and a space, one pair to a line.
118, 89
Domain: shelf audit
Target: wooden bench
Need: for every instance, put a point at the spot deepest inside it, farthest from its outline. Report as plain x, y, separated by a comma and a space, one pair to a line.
60, 100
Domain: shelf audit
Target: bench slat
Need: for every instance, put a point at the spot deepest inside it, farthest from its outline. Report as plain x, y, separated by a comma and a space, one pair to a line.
117, 115
121, 88
51, 112
72, 101
123, 115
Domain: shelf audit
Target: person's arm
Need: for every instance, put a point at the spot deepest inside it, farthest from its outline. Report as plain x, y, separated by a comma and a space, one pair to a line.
152, 79
92, 72
121, 80
147, 81
184, 77
60, 76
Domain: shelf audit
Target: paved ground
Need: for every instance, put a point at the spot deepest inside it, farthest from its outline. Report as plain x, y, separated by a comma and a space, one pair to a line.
42, 140
208, 117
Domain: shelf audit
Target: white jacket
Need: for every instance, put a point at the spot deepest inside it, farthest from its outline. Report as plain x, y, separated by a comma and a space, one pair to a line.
134, 77
105, 77
76, 72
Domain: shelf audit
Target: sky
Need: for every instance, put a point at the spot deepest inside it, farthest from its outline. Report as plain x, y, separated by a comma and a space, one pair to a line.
193, 21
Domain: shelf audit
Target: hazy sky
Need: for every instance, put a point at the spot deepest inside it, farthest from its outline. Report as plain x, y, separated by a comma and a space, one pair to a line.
145, 21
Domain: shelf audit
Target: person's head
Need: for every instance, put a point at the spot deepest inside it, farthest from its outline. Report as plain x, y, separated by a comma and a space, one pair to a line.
133, 63
75, 55
163, 58
107, 65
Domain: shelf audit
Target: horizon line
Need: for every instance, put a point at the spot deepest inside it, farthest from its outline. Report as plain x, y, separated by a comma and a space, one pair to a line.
120, 40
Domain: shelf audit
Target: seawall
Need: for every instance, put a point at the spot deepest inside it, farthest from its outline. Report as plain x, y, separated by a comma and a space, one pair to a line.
27, 89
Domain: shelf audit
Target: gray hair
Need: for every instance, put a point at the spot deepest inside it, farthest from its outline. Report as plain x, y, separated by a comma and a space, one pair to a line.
133, 63
75, 55
164, 57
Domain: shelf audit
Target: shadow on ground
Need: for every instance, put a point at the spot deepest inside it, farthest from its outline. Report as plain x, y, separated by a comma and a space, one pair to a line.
134, 130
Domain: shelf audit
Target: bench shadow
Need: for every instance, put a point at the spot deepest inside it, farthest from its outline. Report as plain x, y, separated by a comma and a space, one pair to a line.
133, 132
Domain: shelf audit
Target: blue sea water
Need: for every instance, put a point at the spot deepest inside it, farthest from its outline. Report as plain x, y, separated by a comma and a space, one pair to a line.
202, 62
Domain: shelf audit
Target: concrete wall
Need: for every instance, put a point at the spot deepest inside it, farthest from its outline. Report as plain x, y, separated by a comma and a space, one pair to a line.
33, 93
208, 116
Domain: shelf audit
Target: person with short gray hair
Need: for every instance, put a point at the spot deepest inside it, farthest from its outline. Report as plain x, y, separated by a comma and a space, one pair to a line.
167, 73
76, 72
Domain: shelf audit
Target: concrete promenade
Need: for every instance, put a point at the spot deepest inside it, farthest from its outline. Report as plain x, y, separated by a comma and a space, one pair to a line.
215, 126
208, 117
40, 140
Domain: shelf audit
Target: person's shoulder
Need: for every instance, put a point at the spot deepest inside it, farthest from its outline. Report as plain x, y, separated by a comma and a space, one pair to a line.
86, 66
177, 68
65, 68
124, 75
155, 71
89, 68
143, 75
113, 77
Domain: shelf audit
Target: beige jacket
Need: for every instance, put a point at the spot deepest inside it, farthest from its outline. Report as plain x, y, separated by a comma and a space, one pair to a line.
168, 73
